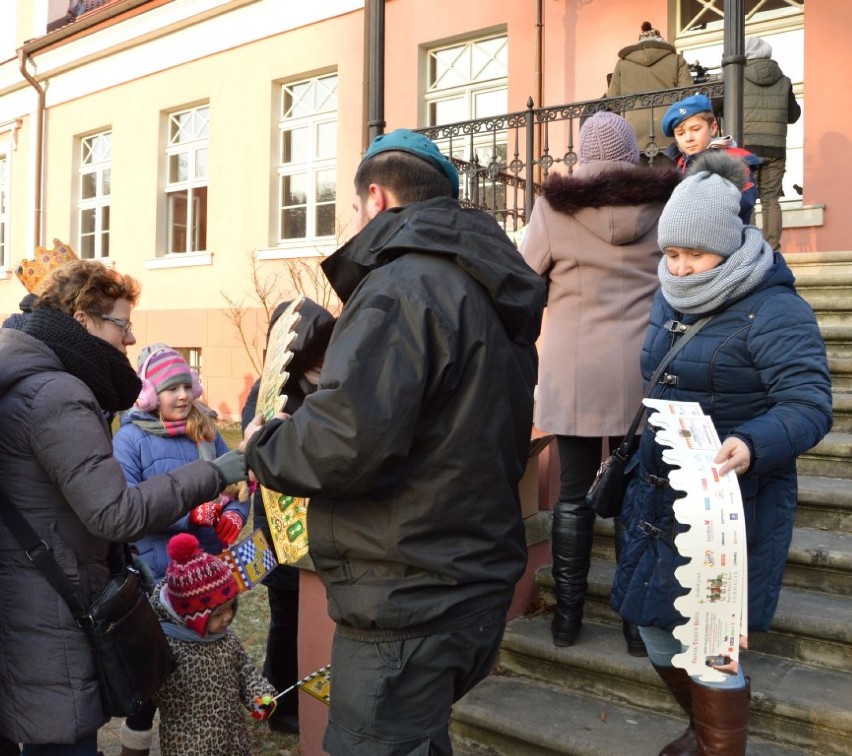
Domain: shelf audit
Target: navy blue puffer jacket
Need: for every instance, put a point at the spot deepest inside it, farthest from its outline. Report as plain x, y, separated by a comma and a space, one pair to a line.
759, 369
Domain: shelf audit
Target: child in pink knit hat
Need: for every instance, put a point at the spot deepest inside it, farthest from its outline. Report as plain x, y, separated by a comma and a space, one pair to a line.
203, 703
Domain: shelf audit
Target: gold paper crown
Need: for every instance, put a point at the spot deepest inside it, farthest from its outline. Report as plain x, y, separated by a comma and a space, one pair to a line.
35, 274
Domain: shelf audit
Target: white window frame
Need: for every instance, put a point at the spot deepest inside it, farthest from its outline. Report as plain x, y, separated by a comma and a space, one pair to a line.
192, 141
321, 112
95, 160
5, 165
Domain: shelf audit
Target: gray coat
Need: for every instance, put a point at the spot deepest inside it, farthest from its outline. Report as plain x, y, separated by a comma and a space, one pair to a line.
57, 468
594, 238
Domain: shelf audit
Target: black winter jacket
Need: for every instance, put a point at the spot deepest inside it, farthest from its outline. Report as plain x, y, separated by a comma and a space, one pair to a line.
413, 446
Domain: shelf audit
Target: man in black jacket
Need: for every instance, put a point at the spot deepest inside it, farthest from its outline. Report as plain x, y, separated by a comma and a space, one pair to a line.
412, 448
768, 106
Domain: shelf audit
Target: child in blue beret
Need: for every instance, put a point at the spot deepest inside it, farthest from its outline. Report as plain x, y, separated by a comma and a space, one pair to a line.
694, 126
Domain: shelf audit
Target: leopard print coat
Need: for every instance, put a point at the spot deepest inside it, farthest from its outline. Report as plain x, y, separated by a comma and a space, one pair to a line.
204, 703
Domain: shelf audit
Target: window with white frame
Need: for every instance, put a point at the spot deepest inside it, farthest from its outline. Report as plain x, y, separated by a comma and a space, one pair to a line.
709, 15
192, 355
186, 180
4, 212
307, 168
94, 203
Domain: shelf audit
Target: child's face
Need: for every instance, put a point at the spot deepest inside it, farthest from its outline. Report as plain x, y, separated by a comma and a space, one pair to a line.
176, 402
687, 262
221, 617
693, 135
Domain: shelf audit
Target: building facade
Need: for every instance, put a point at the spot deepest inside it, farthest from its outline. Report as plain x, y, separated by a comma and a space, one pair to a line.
207, 147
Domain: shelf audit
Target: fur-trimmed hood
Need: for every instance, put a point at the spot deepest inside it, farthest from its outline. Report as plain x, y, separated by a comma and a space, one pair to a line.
617, 202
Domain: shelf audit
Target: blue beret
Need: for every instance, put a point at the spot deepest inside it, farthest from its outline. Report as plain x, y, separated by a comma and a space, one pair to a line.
680, 111
405, 140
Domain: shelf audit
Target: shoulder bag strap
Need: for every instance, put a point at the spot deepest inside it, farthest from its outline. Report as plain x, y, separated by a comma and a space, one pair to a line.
41, 555
688, 333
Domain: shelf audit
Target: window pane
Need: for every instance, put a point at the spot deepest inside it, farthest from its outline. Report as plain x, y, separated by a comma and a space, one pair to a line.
326, 139
201, 163
294, 146
450, 67
325, 220
199, 219
105, 218
87, 221
177, 127
106, 179
88, 185
294, 189
326, 185
491, 103
87, 247
178, 167
177, 206
293, 223
105, 244
449, 111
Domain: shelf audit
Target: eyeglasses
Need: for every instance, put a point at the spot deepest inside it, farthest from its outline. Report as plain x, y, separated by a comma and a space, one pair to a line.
124, 325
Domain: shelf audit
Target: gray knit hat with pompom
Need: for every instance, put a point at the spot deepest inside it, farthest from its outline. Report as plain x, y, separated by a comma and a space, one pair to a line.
605, 137
704, 209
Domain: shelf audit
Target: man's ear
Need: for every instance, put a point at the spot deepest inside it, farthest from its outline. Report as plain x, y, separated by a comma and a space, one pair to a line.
377, 200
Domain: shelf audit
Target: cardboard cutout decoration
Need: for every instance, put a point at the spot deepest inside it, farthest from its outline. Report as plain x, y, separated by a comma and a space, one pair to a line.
716, 576
287, 515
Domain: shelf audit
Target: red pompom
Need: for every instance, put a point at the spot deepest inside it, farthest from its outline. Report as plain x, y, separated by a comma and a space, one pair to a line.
183, 547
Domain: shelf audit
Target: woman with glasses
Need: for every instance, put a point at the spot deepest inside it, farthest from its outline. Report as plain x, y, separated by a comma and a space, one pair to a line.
59, 373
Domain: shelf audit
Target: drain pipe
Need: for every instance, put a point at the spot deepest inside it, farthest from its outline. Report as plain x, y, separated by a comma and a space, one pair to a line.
23, 56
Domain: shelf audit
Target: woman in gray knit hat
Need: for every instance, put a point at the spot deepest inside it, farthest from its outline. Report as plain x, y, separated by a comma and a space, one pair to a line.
759, 369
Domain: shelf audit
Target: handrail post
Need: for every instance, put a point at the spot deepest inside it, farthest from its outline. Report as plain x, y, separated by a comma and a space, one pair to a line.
529, 194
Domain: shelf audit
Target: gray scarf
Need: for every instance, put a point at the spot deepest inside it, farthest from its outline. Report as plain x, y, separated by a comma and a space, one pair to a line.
703, 293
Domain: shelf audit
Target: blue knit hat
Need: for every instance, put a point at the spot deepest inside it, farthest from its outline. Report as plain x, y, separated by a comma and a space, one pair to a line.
680, 111
405, 140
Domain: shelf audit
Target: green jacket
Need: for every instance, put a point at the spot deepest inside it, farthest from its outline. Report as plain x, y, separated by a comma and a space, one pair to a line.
768, 106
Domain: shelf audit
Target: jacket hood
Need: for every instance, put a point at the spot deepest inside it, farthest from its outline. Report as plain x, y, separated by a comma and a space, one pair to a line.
612, 199
762, 71
470, 238
647, 53
21, 356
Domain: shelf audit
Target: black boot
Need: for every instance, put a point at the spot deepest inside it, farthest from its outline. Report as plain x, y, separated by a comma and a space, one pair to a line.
635, 644
572, 535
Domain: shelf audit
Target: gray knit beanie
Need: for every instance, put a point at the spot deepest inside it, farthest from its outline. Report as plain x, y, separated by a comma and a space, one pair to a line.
704, 209
607, 137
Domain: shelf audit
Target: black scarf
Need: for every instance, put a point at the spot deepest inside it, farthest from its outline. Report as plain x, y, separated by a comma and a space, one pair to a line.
105, 370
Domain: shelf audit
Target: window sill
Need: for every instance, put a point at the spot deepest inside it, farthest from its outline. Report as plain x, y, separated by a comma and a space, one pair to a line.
318, 247
180, 261
5, 274
796, 215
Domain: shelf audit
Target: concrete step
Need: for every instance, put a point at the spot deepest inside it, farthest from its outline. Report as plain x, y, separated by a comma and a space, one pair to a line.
841, 381
830, 458
507, 715
810, 627
825, 504
819, 560
816, 263
789, 702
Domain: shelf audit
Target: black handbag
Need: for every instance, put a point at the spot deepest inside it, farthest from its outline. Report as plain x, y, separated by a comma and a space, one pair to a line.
610, 484
132, 656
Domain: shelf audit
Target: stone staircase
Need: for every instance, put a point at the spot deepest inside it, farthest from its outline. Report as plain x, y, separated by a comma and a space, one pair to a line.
594, 699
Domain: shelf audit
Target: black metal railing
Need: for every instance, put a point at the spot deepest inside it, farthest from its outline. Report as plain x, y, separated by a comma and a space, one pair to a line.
503, 160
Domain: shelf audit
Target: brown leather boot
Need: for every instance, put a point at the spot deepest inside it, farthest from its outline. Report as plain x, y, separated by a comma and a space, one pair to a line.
678, 682
721, 720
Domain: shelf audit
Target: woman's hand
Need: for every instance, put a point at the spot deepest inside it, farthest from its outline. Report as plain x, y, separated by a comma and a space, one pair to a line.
732, 666
733, 455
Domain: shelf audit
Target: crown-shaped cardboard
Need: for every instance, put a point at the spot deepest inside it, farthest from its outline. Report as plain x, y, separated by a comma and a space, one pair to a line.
35, 274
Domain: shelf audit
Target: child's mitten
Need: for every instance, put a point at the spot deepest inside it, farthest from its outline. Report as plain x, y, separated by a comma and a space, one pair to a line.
206, 514
229, 526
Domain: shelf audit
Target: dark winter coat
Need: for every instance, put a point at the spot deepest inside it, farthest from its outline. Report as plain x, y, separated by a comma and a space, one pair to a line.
768, 106
57, 468
648, 66
593, 237
142, 456
414, 444
759, 369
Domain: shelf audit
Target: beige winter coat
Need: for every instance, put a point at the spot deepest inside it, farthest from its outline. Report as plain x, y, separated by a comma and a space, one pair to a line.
593, 236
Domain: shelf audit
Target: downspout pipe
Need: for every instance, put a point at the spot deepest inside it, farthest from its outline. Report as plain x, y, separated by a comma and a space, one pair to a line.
23, 57
733, 68
376, 116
